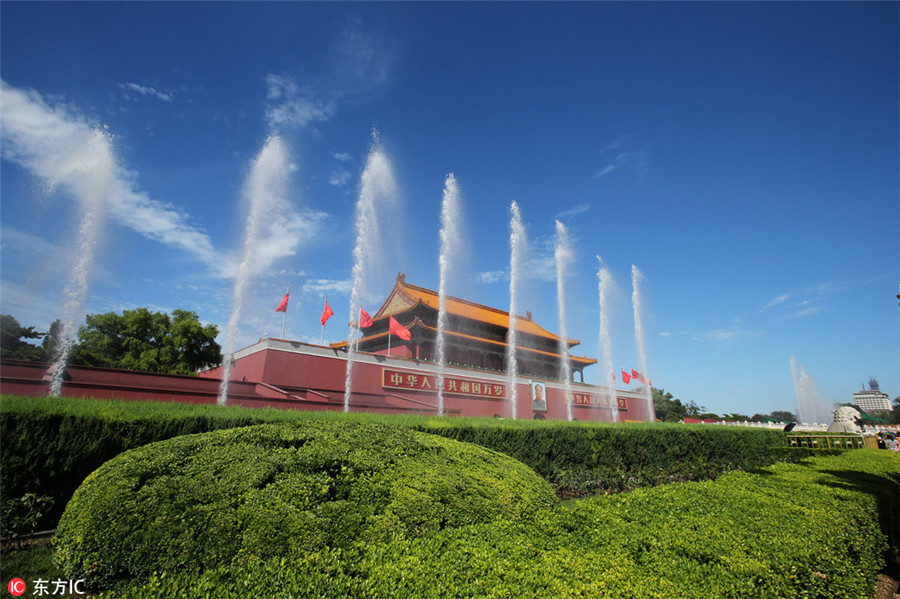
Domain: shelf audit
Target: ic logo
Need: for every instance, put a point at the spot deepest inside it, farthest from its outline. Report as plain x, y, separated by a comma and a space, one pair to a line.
17, 587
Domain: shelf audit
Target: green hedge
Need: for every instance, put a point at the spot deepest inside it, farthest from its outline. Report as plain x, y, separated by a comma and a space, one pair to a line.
788, 531
266, 491
51, 444
582, 458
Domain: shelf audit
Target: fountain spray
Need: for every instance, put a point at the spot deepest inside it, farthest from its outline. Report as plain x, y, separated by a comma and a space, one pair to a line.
517, 248
564, 257
812, 407
377, 190
605, 285
637, 279
451, 244
89, 174
265, 191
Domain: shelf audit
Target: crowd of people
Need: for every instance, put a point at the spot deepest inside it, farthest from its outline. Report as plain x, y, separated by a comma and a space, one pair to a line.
888, 441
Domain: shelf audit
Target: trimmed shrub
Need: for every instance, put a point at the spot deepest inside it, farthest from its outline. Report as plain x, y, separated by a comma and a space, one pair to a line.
51, 444
267, 491
581, 458
790, 531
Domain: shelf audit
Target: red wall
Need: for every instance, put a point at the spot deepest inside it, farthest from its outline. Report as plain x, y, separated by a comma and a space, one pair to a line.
293, 380
326, 374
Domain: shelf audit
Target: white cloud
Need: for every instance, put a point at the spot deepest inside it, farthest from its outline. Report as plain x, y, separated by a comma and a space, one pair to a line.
159, 221
28, 307
779, 299
540, 264
623, 153
802, 313
605, 170
574, 211
13, 240
285, 273
50, 141
165, 96
342, 156
339, 178
492, 276
323, 287
358, 64
289, 103
365, 58
725, 336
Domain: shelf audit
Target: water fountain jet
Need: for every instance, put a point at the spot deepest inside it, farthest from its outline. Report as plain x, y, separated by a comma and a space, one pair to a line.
90, 176
564, 257
605, 285
812, 407
377, 190
637, 302
518, 244
264, 192
451, 245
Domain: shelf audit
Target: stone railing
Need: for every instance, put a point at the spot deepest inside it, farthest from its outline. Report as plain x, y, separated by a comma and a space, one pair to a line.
832, 441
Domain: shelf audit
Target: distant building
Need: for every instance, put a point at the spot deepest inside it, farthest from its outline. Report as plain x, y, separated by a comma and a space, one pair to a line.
872, 400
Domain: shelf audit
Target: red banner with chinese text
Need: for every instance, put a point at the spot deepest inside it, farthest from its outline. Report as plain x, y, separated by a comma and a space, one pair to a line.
416, 381
602, 401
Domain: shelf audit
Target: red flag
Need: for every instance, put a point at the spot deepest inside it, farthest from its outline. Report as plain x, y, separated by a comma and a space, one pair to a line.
398, 329
326, 313
282, 307
626, 378
639, 376
365, 321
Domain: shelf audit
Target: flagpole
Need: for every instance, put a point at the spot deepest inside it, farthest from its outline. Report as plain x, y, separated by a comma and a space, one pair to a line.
322, 342
284, 320
389, 343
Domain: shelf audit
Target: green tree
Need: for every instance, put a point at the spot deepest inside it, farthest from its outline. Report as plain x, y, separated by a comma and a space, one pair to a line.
775, 416
50, 344
782, 416
894, 416
692, 410
736, 417
13, 344
149, 341
668, 408
708, 415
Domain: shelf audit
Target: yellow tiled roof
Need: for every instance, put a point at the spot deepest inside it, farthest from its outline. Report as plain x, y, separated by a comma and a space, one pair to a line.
404, 296
583, 360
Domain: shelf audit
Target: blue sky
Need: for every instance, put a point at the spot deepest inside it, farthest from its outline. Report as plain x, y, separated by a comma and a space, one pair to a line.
744, 156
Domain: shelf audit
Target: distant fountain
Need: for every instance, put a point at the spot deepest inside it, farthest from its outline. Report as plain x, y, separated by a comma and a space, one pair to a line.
564, 256
604, 344
451, 238
812, 407
637, 302
264, 191
89, 175
377, 189
518, 244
